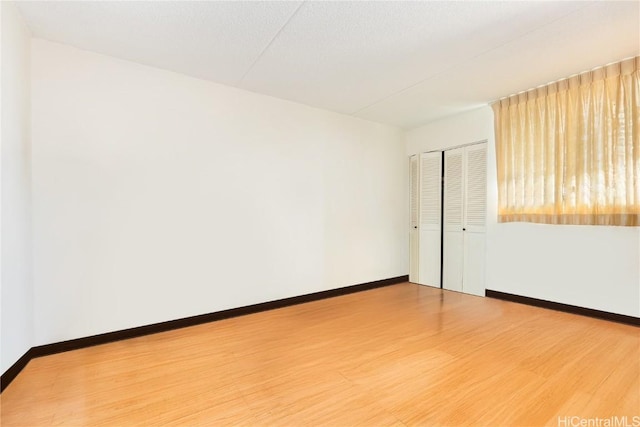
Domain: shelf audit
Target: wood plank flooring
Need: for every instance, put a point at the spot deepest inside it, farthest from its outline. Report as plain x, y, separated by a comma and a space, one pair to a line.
403, 355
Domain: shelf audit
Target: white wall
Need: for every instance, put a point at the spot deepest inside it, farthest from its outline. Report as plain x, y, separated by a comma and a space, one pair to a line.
16, 291
159, 196
596, 267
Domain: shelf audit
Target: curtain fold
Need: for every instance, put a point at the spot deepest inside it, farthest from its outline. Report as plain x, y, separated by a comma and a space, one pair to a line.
569, 152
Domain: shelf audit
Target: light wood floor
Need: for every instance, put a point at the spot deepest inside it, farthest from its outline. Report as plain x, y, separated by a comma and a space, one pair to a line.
399, 355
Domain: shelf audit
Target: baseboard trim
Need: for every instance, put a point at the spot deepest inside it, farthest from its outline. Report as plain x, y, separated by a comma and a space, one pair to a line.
78, 343
15, 369
598, 314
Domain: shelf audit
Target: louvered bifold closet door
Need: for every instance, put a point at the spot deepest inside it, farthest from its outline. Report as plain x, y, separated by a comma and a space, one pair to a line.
475, 201
453, 236
414, 189
475, 213
429, 218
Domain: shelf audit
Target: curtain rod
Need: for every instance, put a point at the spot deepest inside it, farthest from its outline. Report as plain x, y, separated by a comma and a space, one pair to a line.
564, 78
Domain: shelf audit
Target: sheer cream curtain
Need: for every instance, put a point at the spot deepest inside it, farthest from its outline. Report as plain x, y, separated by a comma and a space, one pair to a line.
569, 152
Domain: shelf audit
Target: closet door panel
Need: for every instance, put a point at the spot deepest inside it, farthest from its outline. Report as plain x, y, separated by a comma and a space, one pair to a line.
474, 264
413, 232
475, 194
430, 208
453, 237
453, 262
475, 213
453, 189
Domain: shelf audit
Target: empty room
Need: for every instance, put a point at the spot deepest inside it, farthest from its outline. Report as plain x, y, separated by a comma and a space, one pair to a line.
348, 213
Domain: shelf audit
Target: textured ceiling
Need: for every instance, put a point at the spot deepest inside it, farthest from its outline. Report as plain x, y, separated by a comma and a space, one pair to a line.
402, 63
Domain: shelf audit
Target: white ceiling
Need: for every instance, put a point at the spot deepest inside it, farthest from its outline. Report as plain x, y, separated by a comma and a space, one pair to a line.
402, 63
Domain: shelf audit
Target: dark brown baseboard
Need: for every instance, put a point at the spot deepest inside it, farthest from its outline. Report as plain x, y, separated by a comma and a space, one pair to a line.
598, 314
78, 343
15, 369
